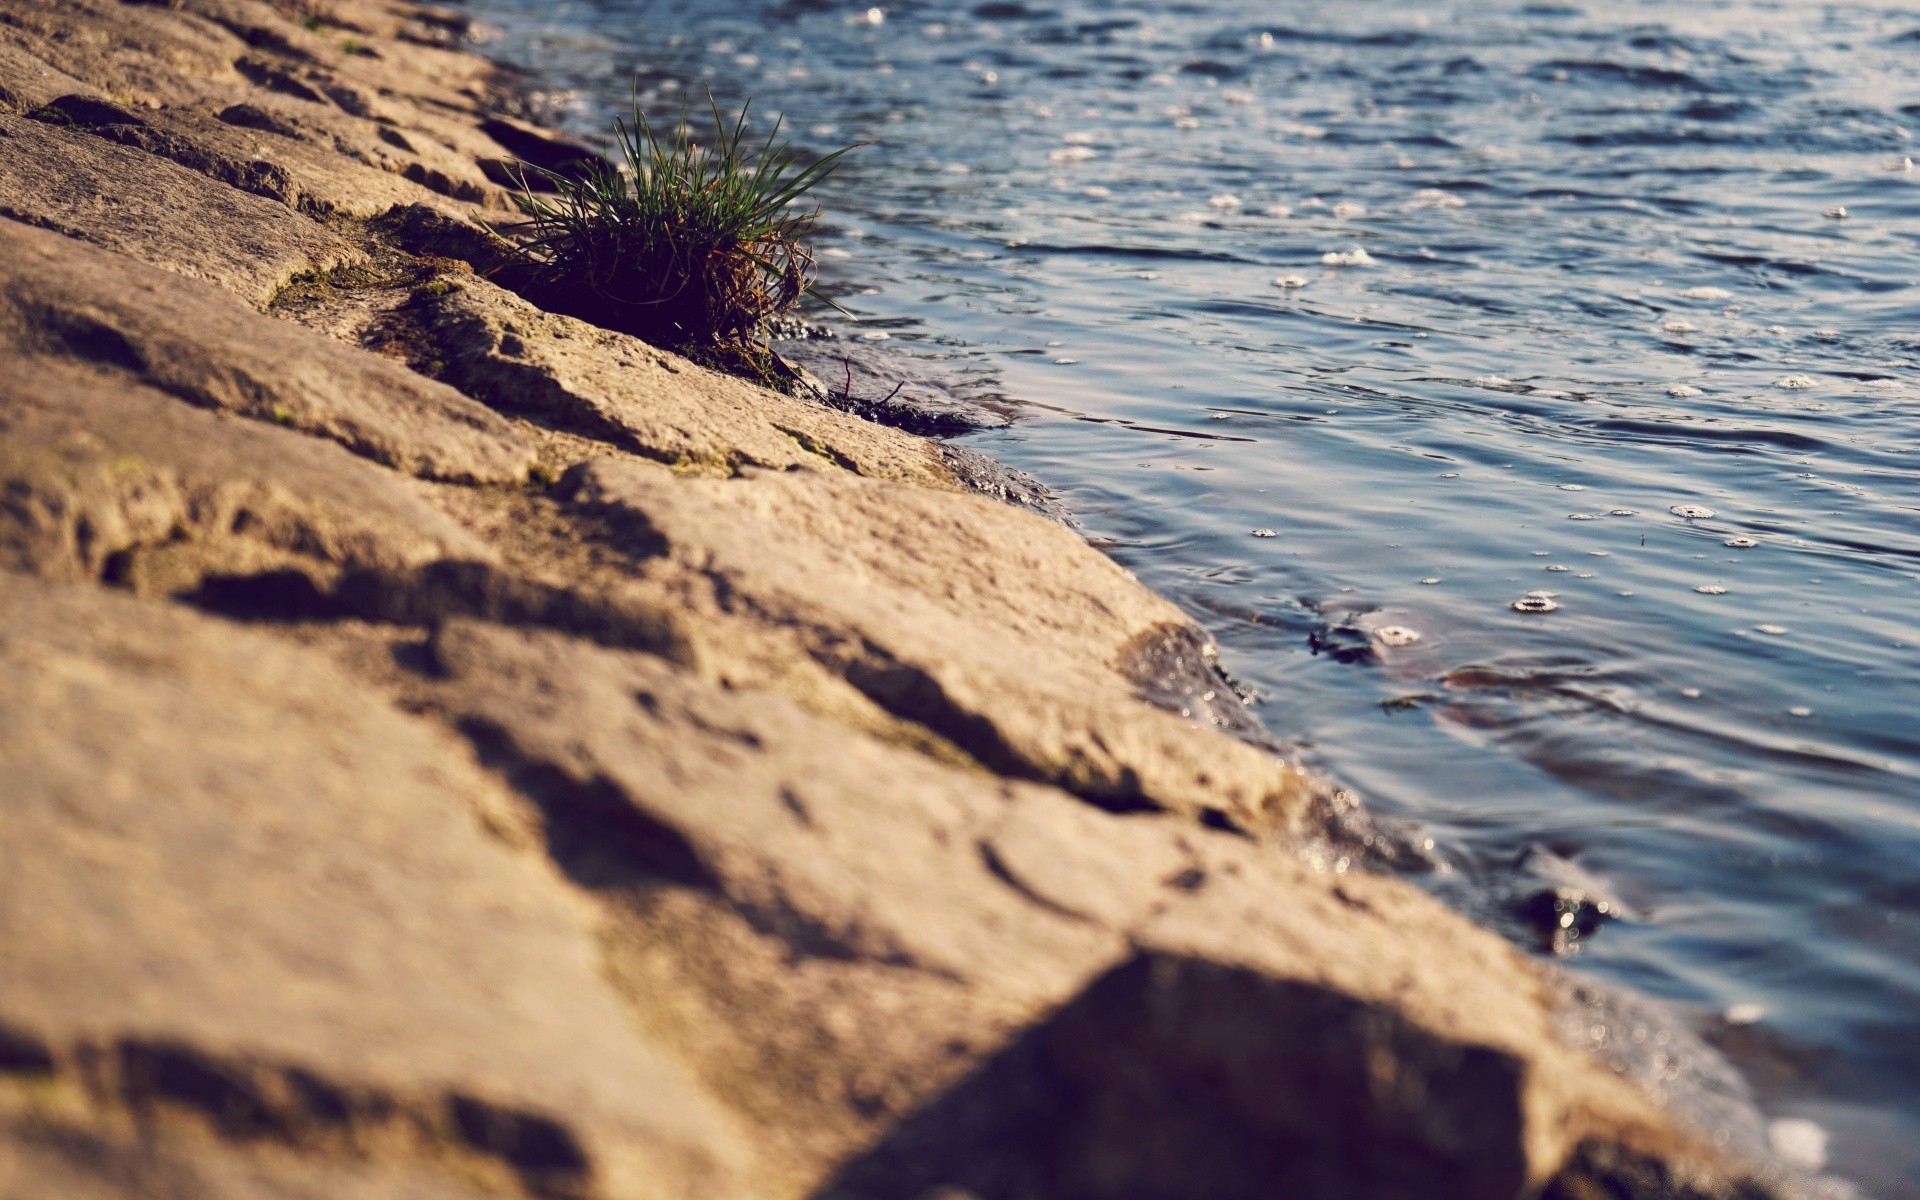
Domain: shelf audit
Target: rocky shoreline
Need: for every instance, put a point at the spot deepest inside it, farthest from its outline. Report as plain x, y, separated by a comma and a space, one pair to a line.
451, 750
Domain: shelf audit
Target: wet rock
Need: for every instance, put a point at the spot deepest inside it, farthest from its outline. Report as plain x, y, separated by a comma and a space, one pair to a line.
874, 387
1560, 902
132, 203
313, 949
988, 476
63, 299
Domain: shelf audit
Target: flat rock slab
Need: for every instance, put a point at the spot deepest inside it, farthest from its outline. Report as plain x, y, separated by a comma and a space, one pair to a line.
313, 943
158, 212
1000, 631
102, 476
64, 299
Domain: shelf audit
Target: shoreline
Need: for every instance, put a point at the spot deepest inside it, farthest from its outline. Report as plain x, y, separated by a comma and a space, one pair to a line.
465, 751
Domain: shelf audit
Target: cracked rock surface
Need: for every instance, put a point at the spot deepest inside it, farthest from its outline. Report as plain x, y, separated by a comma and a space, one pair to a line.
449, 750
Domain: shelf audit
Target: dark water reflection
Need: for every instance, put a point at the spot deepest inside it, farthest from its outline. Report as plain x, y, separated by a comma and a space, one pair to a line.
1599, 280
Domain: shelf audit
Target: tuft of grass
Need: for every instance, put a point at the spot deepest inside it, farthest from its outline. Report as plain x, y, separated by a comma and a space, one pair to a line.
689, 244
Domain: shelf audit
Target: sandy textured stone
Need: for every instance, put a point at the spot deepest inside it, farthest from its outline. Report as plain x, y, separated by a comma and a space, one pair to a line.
994, 985
314, 941
1000, 631
103, 476
26, 81
61, 298
156, 211
504, 350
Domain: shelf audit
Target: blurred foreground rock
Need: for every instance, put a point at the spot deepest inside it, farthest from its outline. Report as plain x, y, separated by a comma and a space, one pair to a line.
450, 750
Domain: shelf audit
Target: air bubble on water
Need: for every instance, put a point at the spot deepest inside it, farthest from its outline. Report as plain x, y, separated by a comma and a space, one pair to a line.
1187, 123
1278, 210
1263, 533
1539, 553
1799, 710
1584, 575
1290, 281
1435, 198
1534, 604
876, 335
1741, 543
1078, 137
1491, 381
1794, 383
1582, 517
1711, 589
1347, 210
1449, 474
1065, 362
1623, 512
1682, 391
1356, 257
1706, 293
1600, 553
1623, 593
1070, 154
1096, 192
1217, 416
1556, 567
1147, 275
1690, 693
1775, 630
1431, 580
1679, 327
1573, 487
1225, 202
1837, 213
1743, 1014
1692, 512
1396, 635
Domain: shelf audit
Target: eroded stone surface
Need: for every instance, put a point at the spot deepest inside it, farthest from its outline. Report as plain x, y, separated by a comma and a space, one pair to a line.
615, 387
157, 212
313, 942
61, 298
1004, 633
101, 476
994, 985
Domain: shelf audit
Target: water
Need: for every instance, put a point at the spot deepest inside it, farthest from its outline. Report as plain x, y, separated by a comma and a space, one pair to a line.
1331, 318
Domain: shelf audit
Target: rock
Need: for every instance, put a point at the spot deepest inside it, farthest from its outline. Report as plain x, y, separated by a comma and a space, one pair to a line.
314, 947
62, 298
1002, 633
617, 388
26, 82
101, 477
989, 984
157, 212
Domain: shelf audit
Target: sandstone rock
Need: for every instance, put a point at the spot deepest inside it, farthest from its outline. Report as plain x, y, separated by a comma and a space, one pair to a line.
106, 477
505, 351
61, 298
1001, 632
991, 985
247, 901
26, 82
158, 212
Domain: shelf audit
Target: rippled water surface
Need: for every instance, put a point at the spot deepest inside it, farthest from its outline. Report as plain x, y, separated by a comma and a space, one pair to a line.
1460, 302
